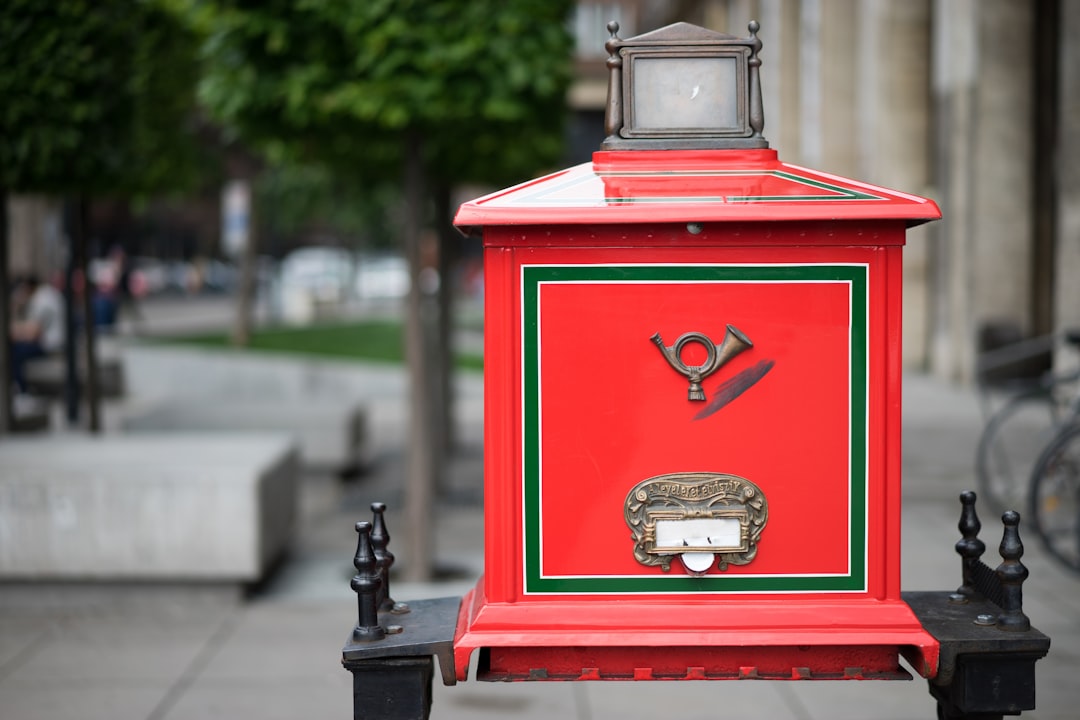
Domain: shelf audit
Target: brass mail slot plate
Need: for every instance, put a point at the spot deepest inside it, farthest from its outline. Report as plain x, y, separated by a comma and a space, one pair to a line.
695, 513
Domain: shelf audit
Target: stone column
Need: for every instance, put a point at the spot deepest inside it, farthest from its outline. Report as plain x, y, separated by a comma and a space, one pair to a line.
982, 88
780, 76
827, 85
893, 116
953, 80
1001, 173
839, 63
1067, 250
809, 82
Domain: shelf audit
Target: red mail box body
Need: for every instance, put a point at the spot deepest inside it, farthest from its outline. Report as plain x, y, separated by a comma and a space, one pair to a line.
699, 351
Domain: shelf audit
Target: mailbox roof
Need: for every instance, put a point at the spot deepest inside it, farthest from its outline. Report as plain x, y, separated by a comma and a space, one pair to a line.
652, 186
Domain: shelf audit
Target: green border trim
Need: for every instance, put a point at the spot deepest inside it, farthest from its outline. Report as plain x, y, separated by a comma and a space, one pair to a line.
532, 276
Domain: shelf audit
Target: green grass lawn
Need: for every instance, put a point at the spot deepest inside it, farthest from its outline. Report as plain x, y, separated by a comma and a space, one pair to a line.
371, 340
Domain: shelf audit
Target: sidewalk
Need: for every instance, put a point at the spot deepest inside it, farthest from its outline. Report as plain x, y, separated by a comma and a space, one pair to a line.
188, 653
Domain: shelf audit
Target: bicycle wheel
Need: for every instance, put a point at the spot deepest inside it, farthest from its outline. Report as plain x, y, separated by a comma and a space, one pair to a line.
1055, 497
1009, 446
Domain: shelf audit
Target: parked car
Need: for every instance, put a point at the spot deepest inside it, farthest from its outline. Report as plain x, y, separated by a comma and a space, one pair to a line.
382, 277
325, 273
314, 279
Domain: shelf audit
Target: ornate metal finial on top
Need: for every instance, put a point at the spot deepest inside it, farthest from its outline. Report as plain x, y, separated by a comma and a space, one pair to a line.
613, 111
366, 585
380, 540
384, 559
684, 87
1002, 586
969, 547
757, 109
1012, 574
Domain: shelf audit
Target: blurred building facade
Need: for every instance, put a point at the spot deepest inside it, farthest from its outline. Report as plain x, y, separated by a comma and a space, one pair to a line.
974, 103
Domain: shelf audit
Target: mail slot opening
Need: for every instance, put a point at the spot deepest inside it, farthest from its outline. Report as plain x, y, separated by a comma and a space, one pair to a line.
717, 534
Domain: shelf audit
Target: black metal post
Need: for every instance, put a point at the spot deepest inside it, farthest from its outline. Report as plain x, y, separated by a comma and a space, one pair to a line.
392, 662
380, 540
969, 547
392, 688
366, 585
986, 667
1012, 574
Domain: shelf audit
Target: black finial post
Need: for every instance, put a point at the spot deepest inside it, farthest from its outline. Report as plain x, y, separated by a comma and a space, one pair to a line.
613, 113
1012, 574
366, 585
970, 547
380, 540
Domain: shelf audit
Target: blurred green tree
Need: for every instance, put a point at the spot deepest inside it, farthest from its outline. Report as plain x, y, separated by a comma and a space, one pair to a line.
297, 199
478, 83
423, 93
98, 98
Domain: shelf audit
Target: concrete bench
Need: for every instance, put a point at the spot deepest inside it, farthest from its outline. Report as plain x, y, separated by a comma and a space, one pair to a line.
47, 376
178, 507
29, 414
331, 435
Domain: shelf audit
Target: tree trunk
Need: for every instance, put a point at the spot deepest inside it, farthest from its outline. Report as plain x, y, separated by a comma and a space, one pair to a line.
420, 474
7, 420
435, 361
245, 292
72, 393
79, 234
448, 259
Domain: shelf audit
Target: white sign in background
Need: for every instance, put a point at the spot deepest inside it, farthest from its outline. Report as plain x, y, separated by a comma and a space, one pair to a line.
235, 217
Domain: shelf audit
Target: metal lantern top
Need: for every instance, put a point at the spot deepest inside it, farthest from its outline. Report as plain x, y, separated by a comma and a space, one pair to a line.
684, 87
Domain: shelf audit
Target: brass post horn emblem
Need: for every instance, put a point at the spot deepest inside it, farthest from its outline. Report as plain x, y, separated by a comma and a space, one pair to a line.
716, 357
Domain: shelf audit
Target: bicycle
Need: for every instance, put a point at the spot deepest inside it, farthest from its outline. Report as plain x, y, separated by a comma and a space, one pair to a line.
1054, 500
1028, 419
1029, 453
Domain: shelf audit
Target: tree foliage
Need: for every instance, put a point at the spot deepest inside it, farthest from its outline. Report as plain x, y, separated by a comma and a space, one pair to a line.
97, 97
295, 199
420, 93
480, 81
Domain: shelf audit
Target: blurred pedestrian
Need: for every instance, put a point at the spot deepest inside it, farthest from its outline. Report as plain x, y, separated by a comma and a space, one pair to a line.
124, 295
37, 325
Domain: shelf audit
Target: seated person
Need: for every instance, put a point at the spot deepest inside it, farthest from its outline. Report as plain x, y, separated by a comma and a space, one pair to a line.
37, 328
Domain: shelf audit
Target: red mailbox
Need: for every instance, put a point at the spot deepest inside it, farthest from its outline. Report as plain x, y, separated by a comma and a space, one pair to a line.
692, 398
